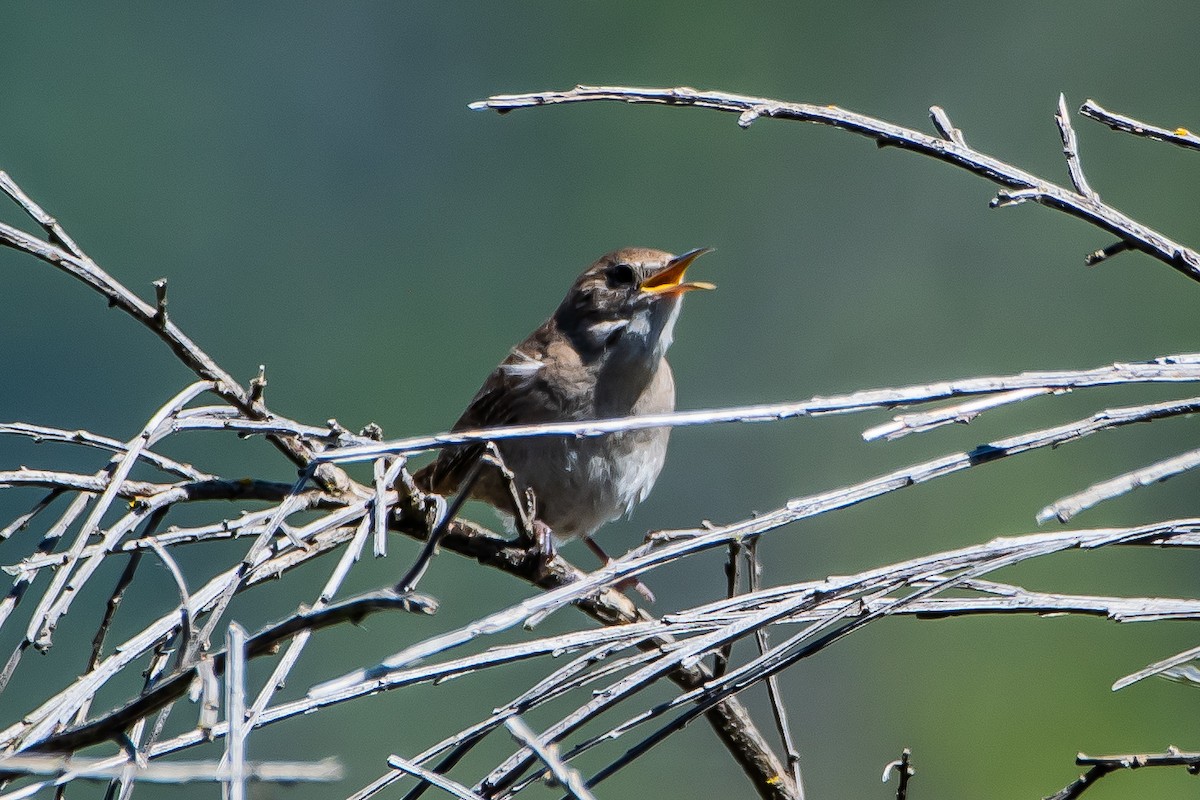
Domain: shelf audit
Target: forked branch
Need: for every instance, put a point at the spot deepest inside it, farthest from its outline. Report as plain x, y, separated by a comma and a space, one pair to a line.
1018, 185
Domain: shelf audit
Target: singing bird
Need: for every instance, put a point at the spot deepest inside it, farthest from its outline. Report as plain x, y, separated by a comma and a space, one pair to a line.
600, 355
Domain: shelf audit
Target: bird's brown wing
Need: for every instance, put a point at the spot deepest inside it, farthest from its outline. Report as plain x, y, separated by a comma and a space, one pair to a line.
515, 393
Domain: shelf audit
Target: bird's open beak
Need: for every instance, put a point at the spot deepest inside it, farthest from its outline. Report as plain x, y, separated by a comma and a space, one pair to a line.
669, 279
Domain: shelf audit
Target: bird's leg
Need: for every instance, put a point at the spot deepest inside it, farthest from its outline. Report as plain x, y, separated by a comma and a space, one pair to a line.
540, 540
534, 535
628, 583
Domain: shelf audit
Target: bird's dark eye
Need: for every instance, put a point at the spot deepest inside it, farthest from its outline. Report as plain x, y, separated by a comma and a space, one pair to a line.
620, 275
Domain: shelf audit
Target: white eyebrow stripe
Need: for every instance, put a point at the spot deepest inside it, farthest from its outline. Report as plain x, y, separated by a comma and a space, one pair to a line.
605, 327
524, 368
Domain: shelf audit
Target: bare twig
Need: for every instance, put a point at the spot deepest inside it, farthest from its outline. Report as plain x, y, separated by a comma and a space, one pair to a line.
732, 580
57, 599
35, 212
654, 555
175, 685
1008, 600
1167, 369
178, 772
1067, 507
1173, 757
778, 710
1157, 667
1119, 122
72, 260
959, 413
903, 769
1081, 784
25, 578
442, 518
110, 609
440, 781
1106, 765
349, 556
43, 433
1104, 253
1018, 184
945, 128
235, 711
160, 302
385, 475
1071, 150
70, 481
567, 777
21, 522
186, 621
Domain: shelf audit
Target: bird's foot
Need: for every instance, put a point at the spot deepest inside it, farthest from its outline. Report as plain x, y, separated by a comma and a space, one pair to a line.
540, 545
639, 587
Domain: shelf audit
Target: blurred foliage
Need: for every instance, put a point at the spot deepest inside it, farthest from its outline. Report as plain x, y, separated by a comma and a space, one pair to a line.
311, 182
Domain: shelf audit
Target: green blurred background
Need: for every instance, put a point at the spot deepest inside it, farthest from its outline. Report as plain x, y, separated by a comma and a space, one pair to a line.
310, 180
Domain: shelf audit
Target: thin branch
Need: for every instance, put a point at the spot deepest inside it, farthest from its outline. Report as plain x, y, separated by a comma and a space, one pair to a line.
43, 433
49, 224
1119, 122
1081, 784
322, 535
110, 609
223, 418
1168, 369
1173, 757
24, 579
1106, 765
957, 414
567, 777
235, 711
1008, 600
732, 583
1071, 150
71, 259
903, 769
1104, 253
187, 622
21, 522
248, 524
443, 516
77, 767
1016, 182
778, 710
176, 685
945, 128
67, 582
440, 781
279, 675
71, 481
1157, 667
1067, 507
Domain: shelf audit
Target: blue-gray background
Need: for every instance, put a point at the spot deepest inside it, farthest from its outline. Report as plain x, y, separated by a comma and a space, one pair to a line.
311, 182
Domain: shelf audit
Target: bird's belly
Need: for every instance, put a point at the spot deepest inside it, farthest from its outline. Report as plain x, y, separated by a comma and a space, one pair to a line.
591, 481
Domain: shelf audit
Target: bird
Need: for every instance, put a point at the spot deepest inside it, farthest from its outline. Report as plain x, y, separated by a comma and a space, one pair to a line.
600, 355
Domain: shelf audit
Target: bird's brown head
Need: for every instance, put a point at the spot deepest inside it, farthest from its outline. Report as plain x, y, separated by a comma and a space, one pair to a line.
627, 301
